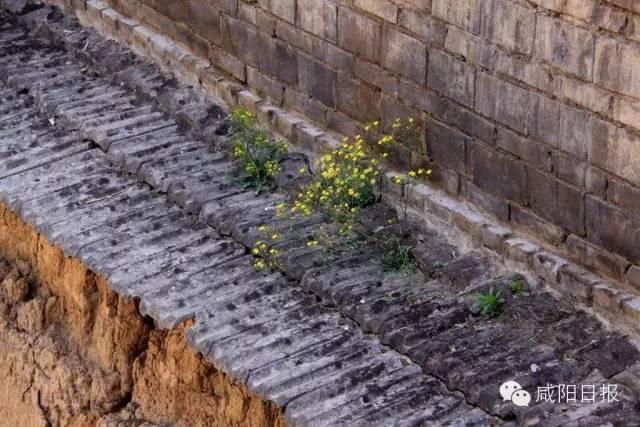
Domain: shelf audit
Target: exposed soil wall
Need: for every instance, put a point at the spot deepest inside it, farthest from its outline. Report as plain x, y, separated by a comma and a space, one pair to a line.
531, 108
73, 353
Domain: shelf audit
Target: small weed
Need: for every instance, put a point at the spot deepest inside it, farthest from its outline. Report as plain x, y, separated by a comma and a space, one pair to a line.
516, 286
398, 258
490, 303
256, 152
345, 182
266, 255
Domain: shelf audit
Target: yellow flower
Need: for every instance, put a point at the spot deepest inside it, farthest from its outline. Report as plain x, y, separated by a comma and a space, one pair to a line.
312, 243
263, 228
412, 174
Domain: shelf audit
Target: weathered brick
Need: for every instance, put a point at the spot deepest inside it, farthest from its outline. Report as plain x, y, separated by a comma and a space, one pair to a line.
306, 105
264, 85
631, 5
306, 136
624, 195
521, 250
596, 258
556, 201
469, 122
204, 18
229, 6
385, 9
447, 146
581, 9
574, 133
586, 95
510, 25
110, 20
404, 55
228, 63
240, 40
248, 13
596, 181
283, 9
548, 266
528, 150
617, 66
462, 44
358, 34
294, 36
423, 5
607, 17
569, 169
497, 173
421, 98
451, 77
266, 22
497, 206
391, 109
332, 55
196, 44
317, 80
546, 120
319, 18
578, 283
358, 100
465, 14
627, 111
617, 151
565, 46
555, 5
276, 58
424, 27
631, 309
343, 124
609, 298
174, 10
376, 76
527, 221
612, 228
286, 123
633, 276
505, 102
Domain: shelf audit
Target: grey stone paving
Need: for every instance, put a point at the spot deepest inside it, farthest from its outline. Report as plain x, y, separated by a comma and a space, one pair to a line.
335, 341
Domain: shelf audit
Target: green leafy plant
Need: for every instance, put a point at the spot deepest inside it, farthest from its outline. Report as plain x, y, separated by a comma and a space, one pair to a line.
344, 183
398, 258
258, 154
516, 286
266, 255
490, 303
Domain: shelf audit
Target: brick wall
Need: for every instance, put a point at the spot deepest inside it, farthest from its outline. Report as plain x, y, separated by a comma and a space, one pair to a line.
531, 108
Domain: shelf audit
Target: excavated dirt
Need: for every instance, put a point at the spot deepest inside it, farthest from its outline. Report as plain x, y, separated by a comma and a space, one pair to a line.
74, 353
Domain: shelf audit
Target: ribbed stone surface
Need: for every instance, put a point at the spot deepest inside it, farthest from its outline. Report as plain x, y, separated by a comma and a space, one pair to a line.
336, 340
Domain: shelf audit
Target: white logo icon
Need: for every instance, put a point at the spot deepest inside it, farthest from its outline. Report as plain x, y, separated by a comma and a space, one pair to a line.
513, 391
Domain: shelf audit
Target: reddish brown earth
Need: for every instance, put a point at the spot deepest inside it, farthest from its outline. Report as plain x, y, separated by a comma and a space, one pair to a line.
73, 353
